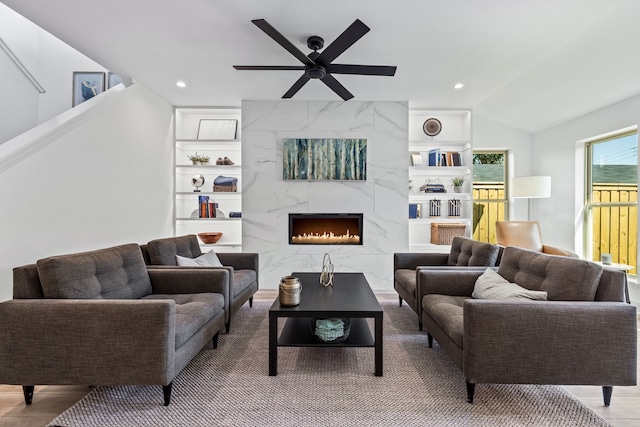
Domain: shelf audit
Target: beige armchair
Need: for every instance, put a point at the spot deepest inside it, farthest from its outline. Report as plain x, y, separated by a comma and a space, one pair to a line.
526, 235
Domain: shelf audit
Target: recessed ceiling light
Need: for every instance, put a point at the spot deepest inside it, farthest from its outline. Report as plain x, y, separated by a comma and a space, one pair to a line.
181, 84
458, 85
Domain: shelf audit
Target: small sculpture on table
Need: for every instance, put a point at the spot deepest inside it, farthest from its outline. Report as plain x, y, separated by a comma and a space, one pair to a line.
326, 276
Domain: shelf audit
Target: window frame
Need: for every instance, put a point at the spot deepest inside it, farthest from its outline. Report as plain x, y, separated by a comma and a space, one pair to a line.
505, 201
589, 204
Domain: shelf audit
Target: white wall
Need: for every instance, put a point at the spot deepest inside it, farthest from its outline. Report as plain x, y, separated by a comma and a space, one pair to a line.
555, 155
489, 135
49, 60
102, 179
382, 198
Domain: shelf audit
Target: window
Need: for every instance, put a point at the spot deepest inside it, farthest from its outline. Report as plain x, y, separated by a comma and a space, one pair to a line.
612, 198
489, 193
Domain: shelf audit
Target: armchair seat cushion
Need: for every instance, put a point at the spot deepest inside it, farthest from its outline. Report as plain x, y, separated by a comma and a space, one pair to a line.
447, 311
242, 279
407, 279
193, 311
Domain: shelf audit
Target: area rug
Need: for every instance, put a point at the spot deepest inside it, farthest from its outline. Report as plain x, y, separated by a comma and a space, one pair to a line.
230, 386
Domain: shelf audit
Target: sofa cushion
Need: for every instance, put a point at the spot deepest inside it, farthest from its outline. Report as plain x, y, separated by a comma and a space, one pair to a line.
490, 285
164, 251
112, 273
407, 279
210, 259
242, 279
193, 311
447, 311
469, 252
563, 278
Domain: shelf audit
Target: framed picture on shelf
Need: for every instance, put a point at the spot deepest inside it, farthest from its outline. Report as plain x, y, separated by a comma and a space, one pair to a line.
86, 85
217, 129
416, 159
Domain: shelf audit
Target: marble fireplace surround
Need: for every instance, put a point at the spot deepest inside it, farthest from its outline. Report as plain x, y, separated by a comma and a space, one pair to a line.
267, 199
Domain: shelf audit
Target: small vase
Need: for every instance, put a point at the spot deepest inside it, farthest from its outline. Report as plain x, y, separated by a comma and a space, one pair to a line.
457, 189
195, 162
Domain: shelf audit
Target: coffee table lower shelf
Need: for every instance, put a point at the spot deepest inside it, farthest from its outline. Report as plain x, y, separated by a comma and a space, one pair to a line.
297, 333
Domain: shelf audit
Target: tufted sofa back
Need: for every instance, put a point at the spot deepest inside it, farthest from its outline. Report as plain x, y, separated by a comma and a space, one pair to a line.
564, 279
164, 251
469, 252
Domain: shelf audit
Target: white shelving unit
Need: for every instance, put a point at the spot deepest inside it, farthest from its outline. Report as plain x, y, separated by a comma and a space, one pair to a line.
454, 137
186, 218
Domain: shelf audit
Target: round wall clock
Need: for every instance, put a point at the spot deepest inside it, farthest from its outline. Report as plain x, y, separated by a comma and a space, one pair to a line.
432, 126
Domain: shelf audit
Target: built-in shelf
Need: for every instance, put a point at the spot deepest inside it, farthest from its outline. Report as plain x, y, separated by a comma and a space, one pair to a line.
454, 139
187, 122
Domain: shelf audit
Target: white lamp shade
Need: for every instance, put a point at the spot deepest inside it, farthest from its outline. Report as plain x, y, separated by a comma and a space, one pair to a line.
531, 187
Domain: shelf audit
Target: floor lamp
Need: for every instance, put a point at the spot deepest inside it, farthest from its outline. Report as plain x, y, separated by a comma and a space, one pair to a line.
531, 187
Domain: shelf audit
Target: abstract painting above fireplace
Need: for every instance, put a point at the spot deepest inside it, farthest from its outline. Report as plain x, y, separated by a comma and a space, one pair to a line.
324, 159
325, 229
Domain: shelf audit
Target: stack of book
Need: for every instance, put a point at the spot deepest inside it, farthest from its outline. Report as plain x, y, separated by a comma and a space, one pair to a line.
206, 208
433, 188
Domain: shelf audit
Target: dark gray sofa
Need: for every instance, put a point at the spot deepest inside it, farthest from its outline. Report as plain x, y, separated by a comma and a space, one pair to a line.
103, 318
242, 267
583, 335
464, 252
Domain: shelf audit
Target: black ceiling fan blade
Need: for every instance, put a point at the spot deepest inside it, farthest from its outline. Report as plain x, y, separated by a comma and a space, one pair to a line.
335, 86
296, 86
269, 67
365, 70
351, 35
282, 40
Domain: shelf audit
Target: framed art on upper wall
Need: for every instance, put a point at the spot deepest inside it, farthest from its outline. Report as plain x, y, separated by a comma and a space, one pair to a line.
217, 129
86, 85
113, 80
314, 159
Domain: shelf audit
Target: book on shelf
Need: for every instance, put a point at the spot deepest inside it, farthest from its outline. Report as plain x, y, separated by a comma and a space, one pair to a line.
434, 157
206, 208
444, 158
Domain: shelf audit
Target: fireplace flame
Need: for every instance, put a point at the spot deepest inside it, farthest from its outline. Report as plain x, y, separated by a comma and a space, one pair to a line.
326, 238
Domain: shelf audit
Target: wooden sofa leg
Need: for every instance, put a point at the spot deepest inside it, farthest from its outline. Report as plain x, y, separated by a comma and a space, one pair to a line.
419, 325
429, 339
227, 326
250, 302
607, 391
399, 300
27, 390
166, 391
215, 340
471, 388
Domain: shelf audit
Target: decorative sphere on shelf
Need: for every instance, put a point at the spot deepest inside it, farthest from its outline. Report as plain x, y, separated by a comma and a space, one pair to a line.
197, 181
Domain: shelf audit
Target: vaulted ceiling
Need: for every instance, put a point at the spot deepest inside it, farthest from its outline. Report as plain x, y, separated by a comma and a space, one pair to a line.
527, 64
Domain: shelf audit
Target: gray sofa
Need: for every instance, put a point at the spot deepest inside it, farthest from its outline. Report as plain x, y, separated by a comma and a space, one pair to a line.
103, 318
464, 252
584, 334
242, 267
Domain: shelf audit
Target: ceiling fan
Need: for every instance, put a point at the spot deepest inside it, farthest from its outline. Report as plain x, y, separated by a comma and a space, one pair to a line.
318, 65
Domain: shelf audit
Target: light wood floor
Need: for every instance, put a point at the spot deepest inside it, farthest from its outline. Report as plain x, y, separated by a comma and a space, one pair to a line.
50, 401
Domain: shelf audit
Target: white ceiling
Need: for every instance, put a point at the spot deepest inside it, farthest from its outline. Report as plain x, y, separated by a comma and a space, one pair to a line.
528, 64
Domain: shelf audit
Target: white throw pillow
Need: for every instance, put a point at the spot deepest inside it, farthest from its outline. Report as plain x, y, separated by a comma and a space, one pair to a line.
490, 285
209, 259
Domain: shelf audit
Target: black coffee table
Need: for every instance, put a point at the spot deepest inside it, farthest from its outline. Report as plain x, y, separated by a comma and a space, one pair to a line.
350, 296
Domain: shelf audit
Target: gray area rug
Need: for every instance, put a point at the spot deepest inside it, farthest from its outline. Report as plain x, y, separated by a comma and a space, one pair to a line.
230, 386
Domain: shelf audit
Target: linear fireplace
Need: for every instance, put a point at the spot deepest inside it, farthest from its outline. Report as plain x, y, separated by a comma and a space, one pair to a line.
325, 229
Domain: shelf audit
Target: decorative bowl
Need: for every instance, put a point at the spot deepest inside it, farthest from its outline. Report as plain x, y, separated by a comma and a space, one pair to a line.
210, 237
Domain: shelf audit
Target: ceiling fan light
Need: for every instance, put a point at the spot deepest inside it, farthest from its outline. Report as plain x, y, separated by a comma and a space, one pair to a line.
458, 85
181, 84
